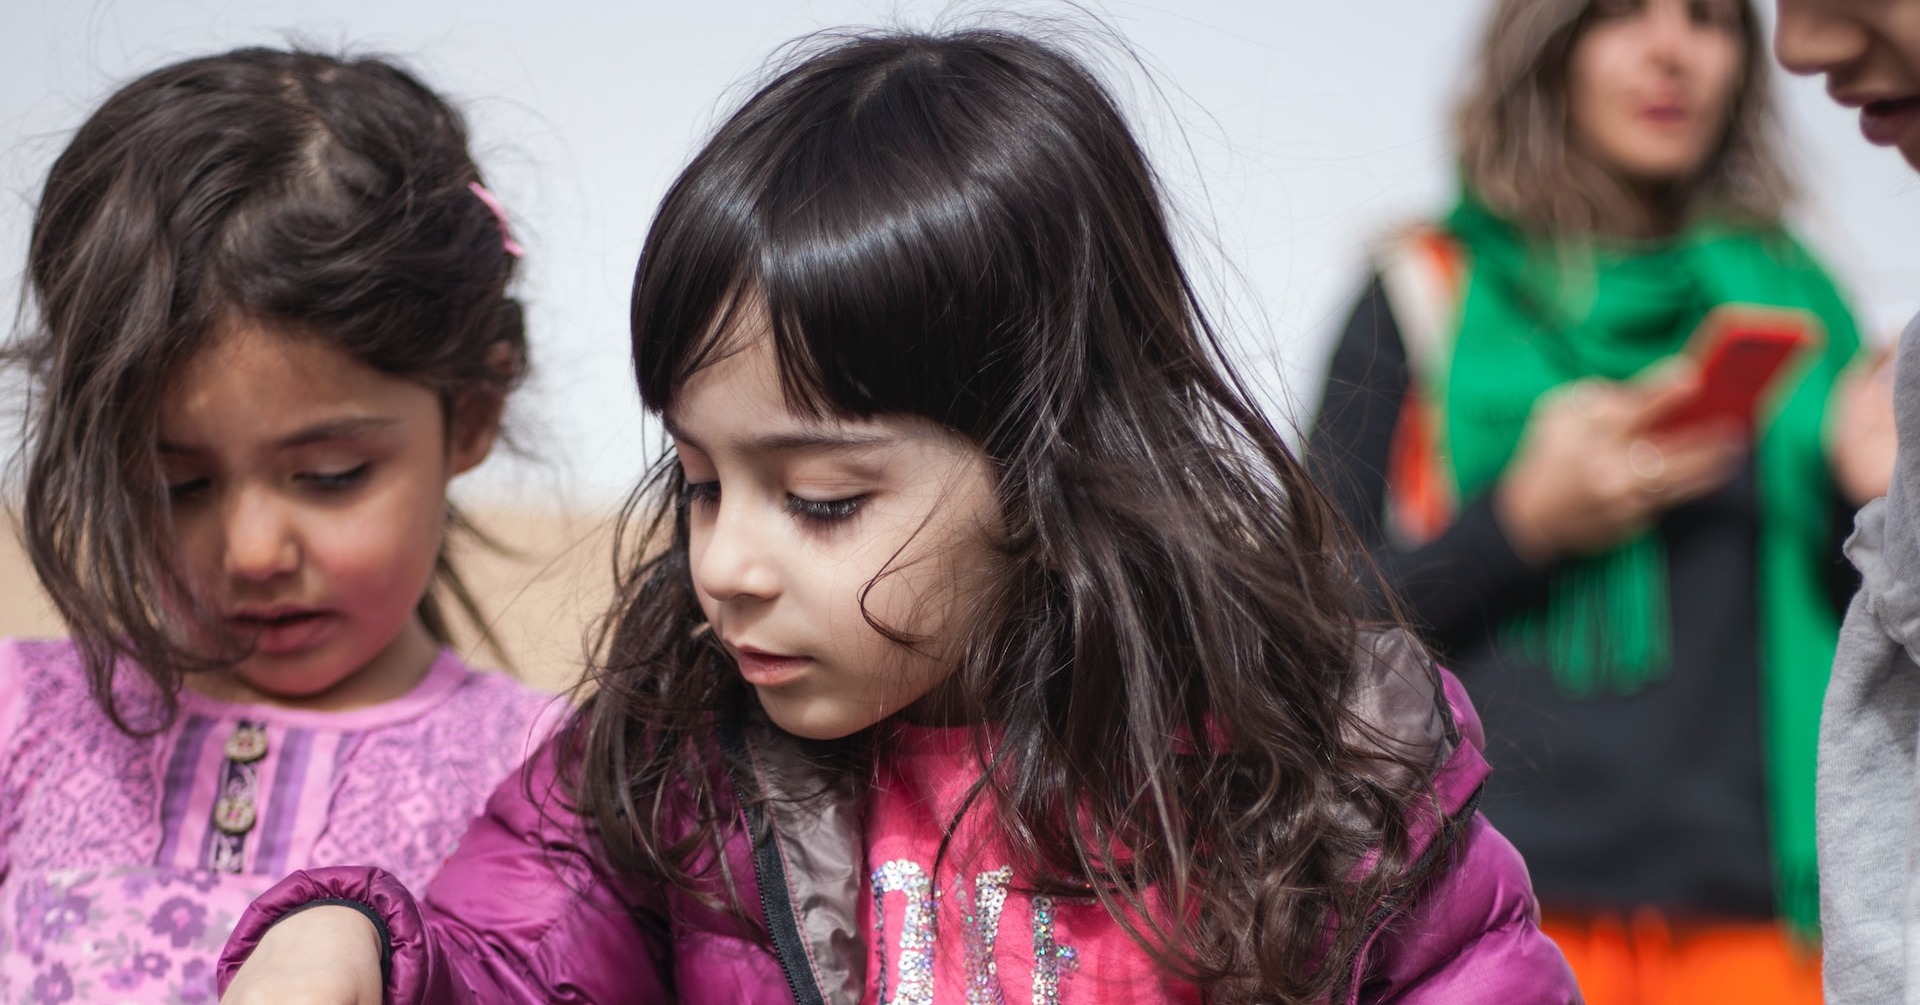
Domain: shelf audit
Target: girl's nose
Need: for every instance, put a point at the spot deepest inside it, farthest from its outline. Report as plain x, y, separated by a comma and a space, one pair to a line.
261, 542
1669, 27
731, 561
1809, 38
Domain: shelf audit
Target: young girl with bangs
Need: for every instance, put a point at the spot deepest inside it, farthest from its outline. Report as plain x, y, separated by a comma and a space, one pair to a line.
271, 323
979, 640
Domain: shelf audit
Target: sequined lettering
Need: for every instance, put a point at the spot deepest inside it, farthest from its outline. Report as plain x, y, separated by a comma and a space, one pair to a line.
982, 932
1050, 958
916, 931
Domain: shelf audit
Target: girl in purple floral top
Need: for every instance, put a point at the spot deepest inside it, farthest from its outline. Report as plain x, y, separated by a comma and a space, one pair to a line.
270, 325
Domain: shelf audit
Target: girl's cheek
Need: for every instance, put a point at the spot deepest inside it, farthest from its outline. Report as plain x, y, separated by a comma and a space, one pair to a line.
698, 539
196, 543
390, 541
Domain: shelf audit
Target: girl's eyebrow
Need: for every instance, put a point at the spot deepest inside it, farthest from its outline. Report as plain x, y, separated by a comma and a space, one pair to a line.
804, 439
319, 432
338, 429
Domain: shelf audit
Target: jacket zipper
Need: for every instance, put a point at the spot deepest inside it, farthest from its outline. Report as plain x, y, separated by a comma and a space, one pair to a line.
771, 877
1392, 904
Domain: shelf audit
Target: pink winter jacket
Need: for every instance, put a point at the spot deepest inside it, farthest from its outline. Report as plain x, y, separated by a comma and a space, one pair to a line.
524, 911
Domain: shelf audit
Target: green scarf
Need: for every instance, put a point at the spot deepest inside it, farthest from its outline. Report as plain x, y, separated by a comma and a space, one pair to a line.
1534, 316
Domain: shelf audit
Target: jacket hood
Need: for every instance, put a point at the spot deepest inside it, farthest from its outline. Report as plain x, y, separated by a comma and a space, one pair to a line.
1408, 708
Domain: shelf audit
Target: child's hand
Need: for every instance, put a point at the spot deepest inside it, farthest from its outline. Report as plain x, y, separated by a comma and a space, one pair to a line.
323, 956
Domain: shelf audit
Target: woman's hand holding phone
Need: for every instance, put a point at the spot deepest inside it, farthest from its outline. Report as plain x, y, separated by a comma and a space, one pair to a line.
1592, 469
1744, 353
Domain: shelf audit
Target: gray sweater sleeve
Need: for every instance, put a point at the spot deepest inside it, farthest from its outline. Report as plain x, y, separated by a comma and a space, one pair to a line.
1868, 809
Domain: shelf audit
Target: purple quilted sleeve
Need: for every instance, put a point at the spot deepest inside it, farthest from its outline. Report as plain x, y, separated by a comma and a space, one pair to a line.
417, 973
522, 912
1472, 932
1471, 935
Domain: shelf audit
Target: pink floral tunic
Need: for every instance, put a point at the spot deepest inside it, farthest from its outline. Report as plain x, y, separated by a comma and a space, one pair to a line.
127, 860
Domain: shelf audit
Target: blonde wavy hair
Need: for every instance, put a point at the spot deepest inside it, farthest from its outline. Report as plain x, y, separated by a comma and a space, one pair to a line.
1518, 154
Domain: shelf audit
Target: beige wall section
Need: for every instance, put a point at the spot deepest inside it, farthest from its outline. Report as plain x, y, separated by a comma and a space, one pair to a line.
543, 598
546, 594
24, 610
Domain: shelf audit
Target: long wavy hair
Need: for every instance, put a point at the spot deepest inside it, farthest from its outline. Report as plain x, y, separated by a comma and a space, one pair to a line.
1517, 150
321, 195
962, 227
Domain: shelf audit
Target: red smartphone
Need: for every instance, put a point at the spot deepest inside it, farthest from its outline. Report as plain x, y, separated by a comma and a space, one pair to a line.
1743, 351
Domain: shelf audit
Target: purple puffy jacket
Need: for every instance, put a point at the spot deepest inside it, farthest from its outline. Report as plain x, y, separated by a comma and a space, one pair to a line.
523, 911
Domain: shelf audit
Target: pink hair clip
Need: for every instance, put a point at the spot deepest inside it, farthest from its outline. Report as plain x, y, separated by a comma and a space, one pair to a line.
511, 246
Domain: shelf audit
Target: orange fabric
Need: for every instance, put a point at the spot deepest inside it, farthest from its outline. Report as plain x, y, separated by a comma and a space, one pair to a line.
1421, 504
1446, 255
1648, 959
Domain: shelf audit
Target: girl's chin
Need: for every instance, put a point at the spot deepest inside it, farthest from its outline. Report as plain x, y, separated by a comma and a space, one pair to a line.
813, 718
249, 685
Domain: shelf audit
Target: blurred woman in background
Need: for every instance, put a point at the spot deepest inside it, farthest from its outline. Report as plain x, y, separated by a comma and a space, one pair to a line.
1646, 610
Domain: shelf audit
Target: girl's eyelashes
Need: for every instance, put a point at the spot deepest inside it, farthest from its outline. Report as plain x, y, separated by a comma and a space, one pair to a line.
825, 511
335, 481
811, 511
699, 492
187, 490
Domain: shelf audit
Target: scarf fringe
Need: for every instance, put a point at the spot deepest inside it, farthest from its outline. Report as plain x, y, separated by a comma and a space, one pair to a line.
1606, 629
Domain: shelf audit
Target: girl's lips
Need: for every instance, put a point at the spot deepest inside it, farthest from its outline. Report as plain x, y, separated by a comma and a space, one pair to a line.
279, 633
1885, 122
1666, 115
768, 670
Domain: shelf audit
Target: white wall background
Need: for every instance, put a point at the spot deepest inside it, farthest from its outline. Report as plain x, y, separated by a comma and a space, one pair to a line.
1289, 130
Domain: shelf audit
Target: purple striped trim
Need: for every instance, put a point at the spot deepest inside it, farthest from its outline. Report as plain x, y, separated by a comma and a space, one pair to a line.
283, 807
343, 752
179, 784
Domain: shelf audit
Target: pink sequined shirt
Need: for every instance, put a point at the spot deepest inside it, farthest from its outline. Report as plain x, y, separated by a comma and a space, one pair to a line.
963, 927
119, 884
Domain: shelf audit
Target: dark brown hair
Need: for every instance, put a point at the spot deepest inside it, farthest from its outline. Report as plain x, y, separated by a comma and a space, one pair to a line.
961, 227
1518, 155
324, 196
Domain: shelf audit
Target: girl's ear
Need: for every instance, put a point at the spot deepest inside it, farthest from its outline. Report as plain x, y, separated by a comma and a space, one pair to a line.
474, 422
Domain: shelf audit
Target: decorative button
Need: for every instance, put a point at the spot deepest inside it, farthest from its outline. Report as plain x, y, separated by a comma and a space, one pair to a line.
233, 816
247, 744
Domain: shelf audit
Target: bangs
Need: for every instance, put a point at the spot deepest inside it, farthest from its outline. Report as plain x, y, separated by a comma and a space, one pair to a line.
890, 249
